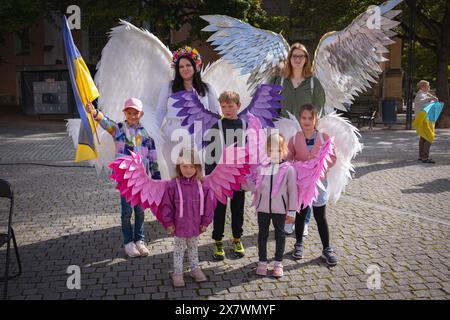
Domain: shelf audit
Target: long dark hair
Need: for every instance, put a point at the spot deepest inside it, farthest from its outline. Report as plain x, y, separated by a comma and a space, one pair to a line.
197, 83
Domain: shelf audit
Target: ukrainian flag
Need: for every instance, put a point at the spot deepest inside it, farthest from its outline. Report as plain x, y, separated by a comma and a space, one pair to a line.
84, 90
426, 119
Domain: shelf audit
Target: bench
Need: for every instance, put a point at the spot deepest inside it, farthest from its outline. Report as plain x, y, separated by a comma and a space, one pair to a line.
363, 115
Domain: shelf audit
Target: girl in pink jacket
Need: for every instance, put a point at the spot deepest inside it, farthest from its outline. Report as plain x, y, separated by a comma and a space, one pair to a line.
187, 208
302, 147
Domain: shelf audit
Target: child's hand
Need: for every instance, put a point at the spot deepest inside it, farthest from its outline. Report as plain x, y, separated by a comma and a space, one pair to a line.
203, 229
90, 108
171, 230
290, 219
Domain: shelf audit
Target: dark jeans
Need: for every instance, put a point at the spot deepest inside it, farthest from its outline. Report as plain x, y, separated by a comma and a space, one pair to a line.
237, 216
424, 149
263, 234
322, 225
127, 230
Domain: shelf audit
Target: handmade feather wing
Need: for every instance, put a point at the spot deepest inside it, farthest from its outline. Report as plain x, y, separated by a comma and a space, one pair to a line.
227, 175
309, 174
256, 149
135, 185
347, 61
222, 76
260, 53
134, 63
347, 146
265, 104
192, 111
288, 127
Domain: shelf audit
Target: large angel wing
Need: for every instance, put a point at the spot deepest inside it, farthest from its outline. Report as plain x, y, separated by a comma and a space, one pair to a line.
227, 175
222, 76
192, 111
259, 52
135, 185
288, 127
348, 60
347, 146
264, 105
134, 63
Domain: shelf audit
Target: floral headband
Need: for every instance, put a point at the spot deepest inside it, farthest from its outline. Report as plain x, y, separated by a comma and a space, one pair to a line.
189, 52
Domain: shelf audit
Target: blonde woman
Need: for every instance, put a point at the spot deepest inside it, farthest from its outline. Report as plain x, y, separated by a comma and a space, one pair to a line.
300, 87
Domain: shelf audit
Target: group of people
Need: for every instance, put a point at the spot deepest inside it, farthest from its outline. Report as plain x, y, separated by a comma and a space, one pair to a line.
187, 207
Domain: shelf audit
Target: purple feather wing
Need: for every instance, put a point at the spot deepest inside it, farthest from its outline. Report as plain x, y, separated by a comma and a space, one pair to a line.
192, 110
265, 104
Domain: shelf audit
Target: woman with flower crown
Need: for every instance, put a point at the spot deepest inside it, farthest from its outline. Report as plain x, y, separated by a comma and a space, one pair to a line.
187, 62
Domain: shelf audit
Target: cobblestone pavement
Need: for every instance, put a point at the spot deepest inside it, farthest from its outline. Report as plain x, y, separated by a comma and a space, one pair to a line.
395, 216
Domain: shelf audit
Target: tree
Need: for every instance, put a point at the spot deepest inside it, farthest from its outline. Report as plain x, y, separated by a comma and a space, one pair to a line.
433, 33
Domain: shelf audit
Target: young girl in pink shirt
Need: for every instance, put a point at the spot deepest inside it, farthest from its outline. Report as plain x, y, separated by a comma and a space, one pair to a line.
303, 147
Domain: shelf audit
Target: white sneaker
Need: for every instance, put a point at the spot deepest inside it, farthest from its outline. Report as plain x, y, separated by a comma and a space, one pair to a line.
131, 250
289, 228
140, 245
305, 231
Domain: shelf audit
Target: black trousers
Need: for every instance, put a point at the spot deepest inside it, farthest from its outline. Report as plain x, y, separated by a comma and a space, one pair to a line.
322, 224
237, 216
278, 221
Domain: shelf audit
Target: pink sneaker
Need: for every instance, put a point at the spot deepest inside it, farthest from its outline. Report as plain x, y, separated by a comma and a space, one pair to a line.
277, 270
178, 280
198, 275
261, 270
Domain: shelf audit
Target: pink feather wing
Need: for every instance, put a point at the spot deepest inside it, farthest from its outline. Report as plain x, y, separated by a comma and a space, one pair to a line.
310, 172
225, 178
135, 185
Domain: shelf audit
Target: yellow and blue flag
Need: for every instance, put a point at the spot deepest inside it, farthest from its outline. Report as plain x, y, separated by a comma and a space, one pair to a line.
426, 119
84, 90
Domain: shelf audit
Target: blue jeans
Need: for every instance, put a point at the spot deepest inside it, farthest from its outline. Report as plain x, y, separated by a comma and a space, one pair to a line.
127, 230
308, 216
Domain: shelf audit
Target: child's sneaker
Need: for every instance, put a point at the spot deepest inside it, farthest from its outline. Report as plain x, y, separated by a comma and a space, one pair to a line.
329, 257
298, 251
289, 228
178, 280
238, 248
277, 270
131, 250
261, 269
219, 253
305, 230
140, 245
198, 275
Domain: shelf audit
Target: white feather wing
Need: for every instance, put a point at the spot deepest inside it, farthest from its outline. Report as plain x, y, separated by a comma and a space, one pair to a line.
221, 75
260, 53
347, 62
347, 146
134, 63
288, 127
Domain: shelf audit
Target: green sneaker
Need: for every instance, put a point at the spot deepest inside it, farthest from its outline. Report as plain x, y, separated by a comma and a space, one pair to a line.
238, 248
219, 253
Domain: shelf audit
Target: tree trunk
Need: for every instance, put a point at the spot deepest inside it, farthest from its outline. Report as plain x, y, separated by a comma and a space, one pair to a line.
442, 72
